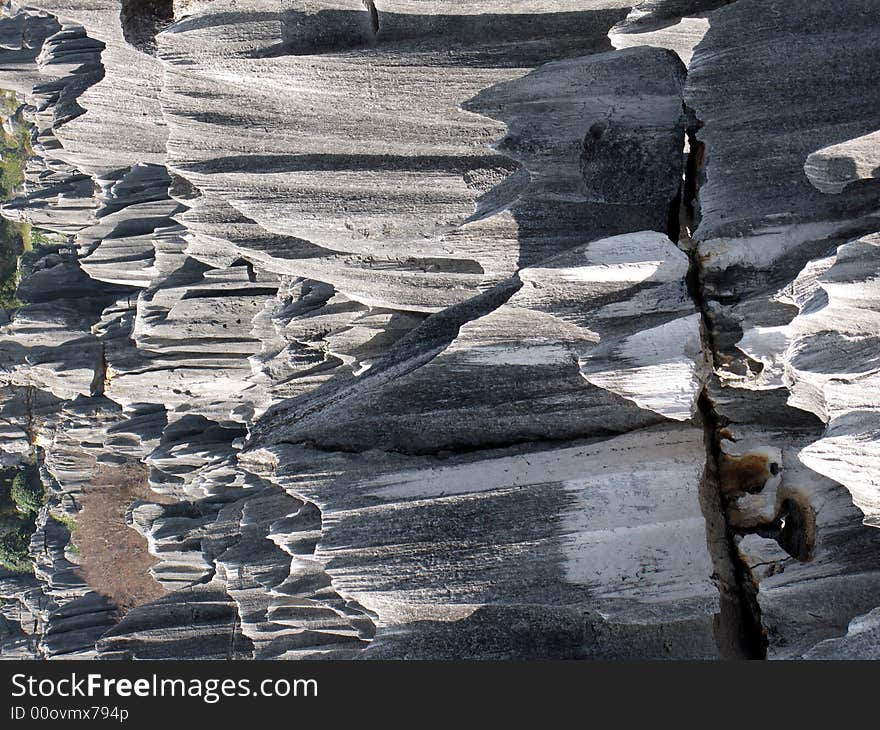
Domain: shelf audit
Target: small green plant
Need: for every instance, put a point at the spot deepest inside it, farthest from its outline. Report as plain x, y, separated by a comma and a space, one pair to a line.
8, 103
21, 496
14, 550
70, 524
11, 247
65, 520
15, 238
12, 175
27, 491
34, 237
8, 293
16, 151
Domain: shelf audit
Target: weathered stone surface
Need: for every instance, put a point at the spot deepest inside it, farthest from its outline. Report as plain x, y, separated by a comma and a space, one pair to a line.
487, 330
787, 245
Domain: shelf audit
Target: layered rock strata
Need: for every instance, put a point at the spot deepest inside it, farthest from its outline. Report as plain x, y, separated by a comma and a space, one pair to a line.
497, 330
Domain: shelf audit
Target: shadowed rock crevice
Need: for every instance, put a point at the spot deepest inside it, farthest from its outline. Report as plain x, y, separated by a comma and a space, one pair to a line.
793, 528
770, 227
370, 7
738, 628
142, 20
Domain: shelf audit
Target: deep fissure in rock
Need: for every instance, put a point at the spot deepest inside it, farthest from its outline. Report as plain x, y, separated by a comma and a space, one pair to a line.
30, 394
370, 7
739, 631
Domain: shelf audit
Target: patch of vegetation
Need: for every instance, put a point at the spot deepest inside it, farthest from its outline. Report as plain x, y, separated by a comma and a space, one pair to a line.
70, 524
36, 243
11, 248
27, 492
9, 514
14, 549
15, 238
16, 147
21, 496
33, 238
65, 520
8, 103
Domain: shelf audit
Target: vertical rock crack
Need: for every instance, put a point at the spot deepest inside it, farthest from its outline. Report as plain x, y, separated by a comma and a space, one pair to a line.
739, 631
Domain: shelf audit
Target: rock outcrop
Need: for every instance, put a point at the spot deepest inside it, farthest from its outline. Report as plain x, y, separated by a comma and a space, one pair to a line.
441, 330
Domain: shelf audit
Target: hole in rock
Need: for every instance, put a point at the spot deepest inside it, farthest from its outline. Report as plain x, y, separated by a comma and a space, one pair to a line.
143, 19
797, 534
794, 529
252, 274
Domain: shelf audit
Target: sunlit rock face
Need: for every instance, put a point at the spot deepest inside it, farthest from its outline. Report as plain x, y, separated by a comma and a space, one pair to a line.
787, 245
419, 329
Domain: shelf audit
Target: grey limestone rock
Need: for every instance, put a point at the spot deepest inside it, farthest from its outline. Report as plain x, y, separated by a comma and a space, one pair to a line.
447, 330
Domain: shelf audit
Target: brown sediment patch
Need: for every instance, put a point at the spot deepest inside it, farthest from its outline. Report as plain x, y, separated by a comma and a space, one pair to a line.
744, 474
113, 556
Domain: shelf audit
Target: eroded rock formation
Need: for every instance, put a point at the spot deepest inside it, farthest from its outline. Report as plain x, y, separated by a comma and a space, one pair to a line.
440, 330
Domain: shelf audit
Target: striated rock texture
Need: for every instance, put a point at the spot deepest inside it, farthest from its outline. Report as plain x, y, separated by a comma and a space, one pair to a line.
425, 330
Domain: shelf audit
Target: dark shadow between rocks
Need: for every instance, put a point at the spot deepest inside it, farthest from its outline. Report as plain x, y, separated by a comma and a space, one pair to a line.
540, 633
483, 39
142, 20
